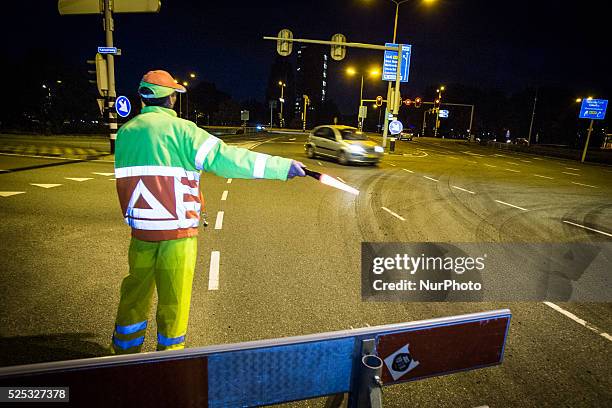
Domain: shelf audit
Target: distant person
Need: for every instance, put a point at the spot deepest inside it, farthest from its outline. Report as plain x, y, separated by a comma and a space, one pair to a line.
158, 159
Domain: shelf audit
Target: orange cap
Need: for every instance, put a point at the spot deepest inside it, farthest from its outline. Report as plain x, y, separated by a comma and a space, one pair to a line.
162, 78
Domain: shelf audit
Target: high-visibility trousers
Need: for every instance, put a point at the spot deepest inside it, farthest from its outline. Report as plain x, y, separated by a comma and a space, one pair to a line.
169, 266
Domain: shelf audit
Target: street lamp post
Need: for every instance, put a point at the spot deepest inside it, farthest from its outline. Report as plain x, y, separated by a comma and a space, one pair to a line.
437, 124
351, 71
282, 101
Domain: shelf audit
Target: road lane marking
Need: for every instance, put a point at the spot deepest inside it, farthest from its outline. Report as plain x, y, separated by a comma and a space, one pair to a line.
571, 168
471, 161
500, 155
391, 164
525, 161
224, 195
581, 184
219, 221
409, 171
213, 274
541, 176
291, 139
429, 178
474, 154
571, 174
537, 158
10, 193
320, 164
514, 171
489, 165
45, 185
229, 181
511, 205
393, 214
578, 320
513, 163
4, 171
588, 228
79, 179
463, 189
103, 174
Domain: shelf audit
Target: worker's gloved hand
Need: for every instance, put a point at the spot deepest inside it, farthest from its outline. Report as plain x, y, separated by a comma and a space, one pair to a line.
296, 169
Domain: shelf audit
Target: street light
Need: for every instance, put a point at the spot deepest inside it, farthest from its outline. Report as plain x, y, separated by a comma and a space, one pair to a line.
397, 4
282, 101
372, 73
192, 75
438, 102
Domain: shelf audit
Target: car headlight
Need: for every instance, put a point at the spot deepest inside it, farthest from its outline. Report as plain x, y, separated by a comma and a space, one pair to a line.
378, 149
356, 149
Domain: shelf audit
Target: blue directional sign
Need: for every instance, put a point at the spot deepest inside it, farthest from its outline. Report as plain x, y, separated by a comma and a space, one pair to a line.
593, 109
443, 113
390, 63
107, 50
123, 106
395, 127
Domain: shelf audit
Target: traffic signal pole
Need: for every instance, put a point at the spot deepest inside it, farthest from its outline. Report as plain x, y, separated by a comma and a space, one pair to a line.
110, 61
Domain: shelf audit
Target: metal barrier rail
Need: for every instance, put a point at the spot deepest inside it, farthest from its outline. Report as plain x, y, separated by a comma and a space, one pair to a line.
359, 362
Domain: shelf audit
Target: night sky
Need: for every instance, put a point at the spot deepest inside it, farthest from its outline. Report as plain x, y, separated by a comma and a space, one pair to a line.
507, 45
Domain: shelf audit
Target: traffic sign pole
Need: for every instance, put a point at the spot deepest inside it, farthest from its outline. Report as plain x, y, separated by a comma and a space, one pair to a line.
110, 62
586, 145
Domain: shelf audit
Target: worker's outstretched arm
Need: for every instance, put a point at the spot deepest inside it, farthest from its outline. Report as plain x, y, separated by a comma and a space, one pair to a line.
212, 155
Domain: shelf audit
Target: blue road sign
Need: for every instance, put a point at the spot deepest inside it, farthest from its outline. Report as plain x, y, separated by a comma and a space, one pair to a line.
390, 63
395, 127
443, 113
123, 106
107, 50
593, 109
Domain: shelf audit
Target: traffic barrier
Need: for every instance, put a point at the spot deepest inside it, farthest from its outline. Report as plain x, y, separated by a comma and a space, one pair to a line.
358, 362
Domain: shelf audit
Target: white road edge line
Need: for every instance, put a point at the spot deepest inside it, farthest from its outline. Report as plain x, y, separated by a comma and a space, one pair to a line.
429, 178
219, 221
409, 171
587, 228
224, 195
581, 184
511, 205
578, 320
393, 214
546, 177
213, 275
463, 189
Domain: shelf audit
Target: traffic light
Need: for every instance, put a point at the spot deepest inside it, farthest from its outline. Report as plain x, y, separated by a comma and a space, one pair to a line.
417, 102
379, 100
100, 73
338, 51
407, 102
437, 103
284, 47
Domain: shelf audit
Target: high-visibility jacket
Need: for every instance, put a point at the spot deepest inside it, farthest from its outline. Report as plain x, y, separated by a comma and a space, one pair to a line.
158, 159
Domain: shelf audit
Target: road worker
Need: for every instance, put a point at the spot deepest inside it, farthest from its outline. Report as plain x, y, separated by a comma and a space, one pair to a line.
158, 160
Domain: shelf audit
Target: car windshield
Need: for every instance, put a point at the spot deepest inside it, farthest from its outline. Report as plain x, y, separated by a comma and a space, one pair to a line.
352, 134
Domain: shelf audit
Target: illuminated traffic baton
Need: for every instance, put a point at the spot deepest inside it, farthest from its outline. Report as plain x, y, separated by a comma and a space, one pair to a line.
330, 181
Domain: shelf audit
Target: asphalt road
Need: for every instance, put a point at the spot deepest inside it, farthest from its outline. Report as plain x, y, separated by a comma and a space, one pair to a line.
290, 260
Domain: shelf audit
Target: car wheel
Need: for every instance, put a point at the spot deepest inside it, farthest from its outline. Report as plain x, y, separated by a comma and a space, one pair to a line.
342, 159
310, 152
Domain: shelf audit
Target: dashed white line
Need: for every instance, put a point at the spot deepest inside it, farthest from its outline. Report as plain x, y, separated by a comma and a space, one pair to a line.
581, 184
229, 181
219, 221
393, 214
546, 177
213, 275
513, 163
526, 161
429, 178
571, 174
463, 189
578, 320
511, 205
588, 228
391, 164
320, 164
409, 171
489, 165
224, 195
514, 171
571, 168
537, 158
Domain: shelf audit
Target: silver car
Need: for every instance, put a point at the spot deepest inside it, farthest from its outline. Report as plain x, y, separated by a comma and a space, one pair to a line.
344, 143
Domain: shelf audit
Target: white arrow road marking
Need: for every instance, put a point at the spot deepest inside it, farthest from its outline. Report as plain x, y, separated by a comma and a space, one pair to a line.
45, 185
213, 275
463, 189
219, 221
224, 195
588, 228
578, 320
79, 178
511, 205
10, 193
103, 174
393, 214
